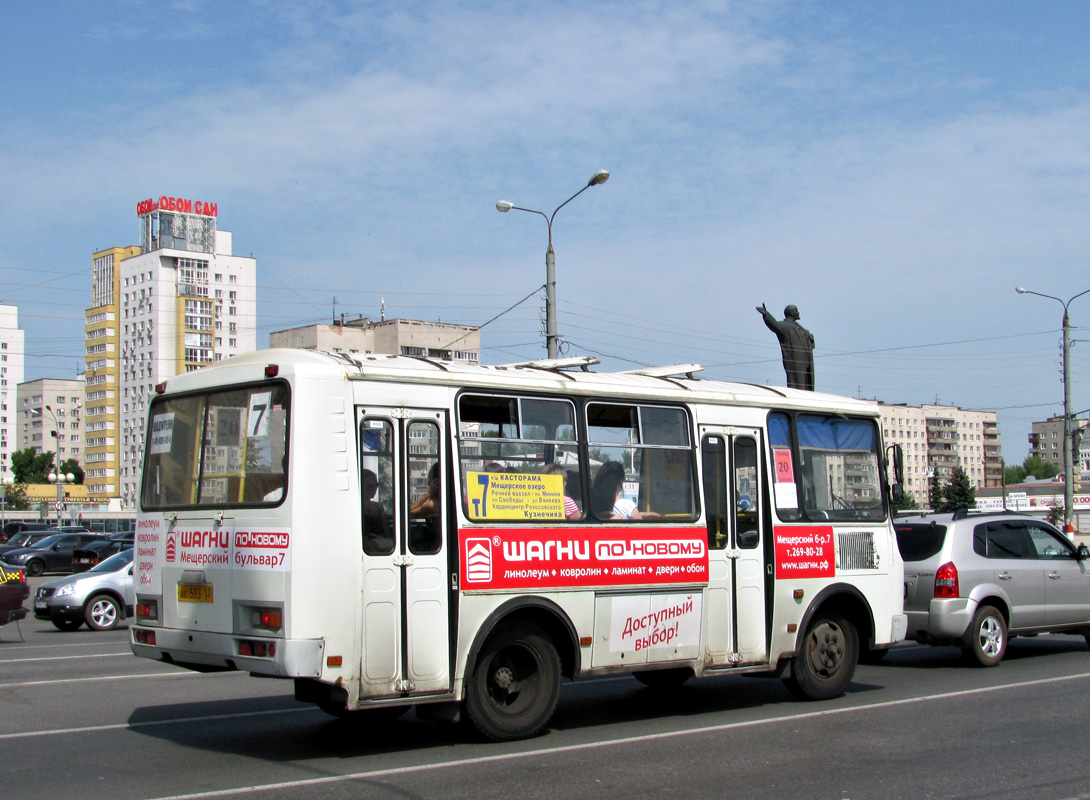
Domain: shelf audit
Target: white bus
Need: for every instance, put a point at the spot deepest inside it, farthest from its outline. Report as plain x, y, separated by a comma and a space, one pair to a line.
391, 532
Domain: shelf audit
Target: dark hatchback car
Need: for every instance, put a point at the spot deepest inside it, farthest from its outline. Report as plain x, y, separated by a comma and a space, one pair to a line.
25, 539
51, 554
18, 526
13, 591
89, 555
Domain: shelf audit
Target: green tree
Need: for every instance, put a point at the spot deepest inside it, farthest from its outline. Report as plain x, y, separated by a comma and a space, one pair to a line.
935, 491
959, 492
1039, 468
1015, 474
71, 465
908, 503
28, 467
15, 498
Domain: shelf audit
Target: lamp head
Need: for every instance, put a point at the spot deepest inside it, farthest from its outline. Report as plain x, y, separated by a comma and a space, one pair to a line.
1020, 290
601, 176
504, 206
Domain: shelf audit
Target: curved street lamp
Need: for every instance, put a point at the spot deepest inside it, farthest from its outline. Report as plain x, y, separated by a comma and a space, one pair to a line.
1069, 457
552, 339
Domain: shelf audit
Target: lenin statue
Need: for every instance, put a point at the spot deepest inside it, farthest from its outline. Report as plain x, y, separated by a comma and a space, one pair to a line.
796, 345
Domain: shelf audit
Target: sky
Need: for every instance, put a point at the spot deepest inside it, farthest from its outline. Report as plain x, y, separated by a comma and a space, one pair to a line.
893, 169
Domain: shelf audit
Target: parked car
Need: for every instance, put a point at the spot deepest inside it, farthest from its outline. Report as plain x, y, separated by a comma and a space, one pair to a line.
83, 558
73, 529
976, 580
51, 554
19, 526
100, 597
13, 591
25, 539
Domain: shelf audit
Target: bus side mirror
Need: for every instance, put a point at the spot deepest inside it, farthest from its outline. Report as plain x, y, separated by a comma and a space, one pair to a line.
897, 493
1082, 553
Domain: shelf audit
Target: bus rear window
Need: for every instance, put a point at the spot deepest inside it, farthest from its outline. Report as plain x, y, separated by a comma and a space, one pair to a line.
223, 448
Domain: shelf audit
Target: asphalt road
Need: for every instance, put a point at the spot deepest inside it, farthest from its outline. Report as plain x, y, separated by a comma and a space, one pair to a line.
80, 717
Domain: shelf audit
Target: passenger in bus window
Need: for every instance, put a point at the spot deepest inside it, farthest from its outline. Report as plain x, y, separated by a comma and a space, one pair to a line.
377, 536
427, 536
606, 493
571, 508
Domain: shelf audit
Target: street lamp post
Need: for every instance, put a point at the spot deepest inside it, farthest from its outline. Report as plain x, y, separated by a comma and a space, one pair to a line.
552, 338
61, 478
1069, 457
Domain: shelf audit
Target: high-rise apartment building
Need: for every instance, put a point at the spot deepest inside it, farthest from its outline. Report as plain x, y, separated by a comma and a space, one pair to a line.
12, 349
50, 418
176, 302
1047, 442
938, 438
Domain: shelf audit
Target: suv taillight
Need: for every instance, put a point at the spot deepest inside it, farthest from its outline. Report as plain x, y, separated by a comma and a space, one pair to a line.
946, 580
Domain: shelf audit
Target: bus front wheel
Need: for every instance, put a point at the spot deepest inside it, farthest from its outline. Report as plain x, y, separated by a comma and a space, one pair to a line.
825, 662
515, 684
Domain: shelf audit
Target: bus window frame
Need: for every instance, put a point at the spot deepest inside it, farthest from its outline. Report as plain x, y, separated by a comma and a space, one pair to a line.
801, 513
691, 446
161, 399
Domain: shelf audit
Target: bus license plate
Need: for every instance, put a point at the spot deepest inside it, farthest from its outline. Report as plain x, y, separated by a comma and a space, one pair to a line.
194, 593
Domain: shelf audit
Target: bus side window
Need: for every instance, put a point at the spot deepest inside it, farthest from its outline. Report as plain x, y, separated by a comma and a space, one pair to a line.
747, 511
377, 486
714, 468
427, 511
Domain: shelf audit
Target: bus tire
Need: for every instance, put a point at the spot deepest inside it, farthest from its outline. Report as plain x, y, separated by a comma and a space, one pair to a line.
663, 678
826, 660
515, 684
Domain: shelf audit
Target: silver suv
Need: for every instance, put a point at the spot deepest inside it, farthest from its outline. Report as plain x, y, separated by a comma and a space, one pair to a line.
101, 597
974, 580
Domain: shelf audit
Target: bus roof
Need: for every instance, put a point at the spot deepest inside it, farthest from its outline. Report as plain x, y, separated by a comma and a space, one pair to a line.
529, 376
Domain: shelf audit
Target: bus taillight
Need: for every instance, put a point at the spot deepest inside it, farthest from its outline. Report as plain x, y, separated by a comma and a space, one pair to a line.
147, 611
144, 637
268, 618
256, 648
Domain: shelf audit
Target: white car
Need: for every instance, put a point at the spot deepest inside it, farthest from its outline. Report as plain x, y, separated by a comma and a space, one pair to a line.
101, 597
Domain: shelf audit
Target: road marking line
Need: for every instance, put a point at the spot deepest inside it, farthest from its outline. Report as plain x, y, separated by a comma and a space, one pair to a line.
64, 658
153, 723
544, 751
102, 678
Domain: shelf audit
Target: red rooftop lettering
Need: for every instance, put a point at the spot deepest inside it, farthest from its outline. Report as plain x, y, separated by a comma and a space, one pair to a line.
178, 204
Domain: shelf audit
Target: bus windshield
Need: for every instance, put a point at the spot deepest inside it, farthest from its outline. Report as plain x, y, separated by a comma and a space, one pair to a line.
217, 449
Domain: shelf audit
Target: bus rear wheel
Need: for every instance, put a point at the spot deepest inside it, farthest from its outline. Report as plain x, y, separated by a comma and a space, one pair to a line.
825, 663
515, 684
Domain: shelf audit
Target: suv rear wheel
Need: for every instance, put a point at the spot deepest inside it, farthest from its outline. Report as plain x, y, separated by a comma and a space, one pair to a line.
986, 642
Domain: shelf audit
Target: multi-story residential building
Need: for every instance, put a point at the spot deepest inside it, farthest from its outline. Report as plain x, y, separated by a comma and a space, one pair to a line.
50, 418
406, 337
938, 438
176, 302
102, 376
1047, 442
12, 348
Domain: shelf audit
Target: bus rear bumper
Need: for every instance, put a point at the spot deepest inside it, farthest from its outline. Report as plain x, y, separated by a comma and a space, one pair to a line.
209, 652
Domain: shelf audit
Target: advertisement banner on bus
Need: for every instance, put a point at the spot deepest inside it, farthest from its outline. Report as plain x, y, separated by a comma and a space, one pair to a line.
518, 558
804, 551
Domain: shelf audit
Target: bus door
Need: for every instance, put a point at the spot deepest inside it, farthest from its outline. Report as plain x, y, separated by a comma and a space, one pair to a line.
733, 502
406, 596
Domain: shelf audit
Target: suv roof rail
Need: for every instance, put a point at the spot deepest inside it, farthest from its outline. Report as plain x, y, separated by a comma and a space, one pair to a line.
963, 513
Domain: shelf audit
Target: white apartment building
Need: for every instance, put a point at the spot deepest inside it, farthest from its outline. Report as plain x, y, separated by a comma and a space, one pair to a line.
940, 438
50, 418
179, 301
12, 350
